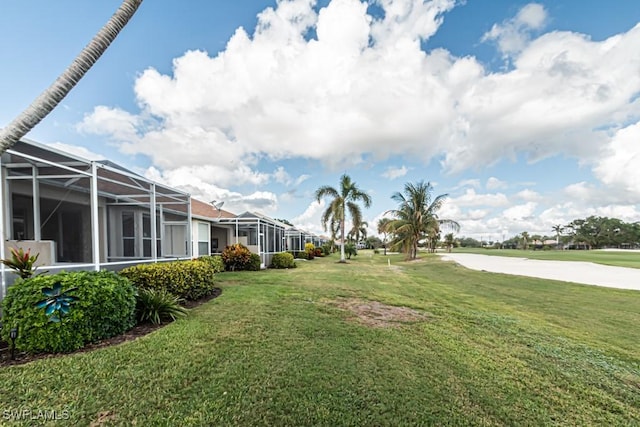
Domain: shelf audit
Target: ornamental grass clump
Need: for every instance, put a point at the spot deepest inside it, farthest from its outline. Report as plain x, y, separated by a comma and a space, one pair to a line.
158, 305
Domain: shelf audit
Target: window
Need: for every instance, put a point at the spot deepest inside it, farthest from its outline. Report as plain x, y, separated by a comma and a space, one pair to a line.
128, 234
203, 238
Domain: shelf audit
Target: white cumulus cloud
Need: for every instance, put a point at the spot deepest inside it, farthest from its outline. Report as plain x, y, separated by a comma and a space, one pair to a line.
364, 87
394, 173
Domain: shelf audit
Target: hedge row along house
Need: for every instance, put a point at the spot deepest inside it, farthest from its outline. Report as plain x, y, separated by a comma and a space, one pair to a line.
80, 214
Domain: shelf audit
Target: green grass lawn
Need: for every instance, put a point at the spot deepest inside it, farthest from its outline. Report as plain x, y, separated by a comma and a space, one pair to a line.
276, 349
615, 258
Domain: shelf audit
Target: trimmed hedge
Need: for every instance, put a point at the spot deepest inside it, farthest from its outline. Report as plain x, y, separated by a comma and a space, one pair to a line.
189, 280
105, 308
283, 260
215, 261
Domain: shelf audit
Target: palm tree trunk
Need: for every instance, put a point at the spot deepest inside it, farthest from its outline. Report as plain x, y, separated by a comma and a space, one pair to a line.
51, 97
342, 259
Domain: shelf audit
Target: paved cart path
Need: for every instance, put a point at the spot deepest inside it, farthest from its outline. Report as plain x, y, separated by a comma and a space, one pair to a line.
587, 273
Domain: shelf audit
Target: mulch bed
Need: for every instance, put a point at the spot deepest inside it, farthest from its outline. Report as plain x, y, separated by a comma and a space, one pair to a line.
136, 332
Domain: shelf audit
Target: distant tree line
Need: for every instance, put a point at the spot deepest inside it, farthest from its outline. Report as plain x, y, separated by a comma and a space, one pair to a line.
602, 232
593, 232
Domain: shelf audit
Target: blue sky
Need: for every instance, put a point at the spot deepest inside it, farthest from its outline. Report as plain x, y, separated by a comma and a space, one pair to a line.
526, 113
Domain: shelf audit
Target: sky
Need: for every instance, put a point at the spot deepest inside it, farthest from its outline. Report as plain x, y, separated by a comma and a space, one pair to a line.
527, 114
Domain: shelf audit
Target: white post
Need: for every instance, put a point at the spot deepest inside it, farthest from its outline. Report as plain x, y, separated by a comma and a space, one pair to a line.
261, 249
154, 225
342, 258
37, 236
189, 235
3, 230
95, 234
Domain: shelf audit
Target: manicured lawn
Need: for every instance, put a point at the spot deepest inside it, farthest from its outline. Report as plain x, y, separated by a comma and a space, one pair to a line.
279, 348
615, 258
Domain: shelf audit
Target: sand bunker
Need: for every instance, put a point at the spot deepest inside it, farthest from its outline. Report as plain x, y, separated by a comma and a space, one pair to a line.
567, 271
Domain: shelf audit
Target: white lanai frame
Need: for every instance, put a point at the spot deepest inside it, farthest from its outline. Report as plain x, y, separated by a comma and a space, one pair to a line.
297, 238
262, 235
34, 171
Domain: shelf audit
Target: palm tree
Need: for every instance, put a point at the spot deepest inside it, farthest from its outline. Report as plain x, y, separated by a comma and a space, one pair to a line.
417, 217
558, 229
358, 231
383, 223
343, 200
51, 97
525, 240
449, 241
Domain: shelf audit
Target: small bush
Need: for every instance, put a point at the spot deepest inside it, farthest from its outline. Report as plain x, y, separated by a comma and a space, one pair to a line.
189, 280
310, 249
236, 257
215, 261
254, 263
23, 263
318, 252
105, 308
283, 260
376, 251
326, 249
156, 306
350, 250
302, 255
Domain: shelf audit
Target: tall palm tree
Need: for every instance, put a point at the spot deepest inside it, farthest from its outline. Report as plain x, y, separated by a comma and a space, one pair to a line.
525, 240
417, 217
51, 97
383, 223
344, 199
558, 229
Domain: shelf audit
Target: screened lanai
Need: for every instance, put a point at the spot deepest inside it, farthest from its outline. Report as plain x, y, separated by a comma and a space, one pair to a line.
296, 239
261, 234
83, 214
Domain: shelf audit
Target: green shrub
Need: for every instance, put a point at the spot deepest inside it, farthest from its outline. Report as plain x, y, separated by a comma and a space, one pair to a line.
302, 255
236, 257
350, 250
254, 263
105, 308
326, 249
189, 280
310, 249
283, 260
215, 261
157, 305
